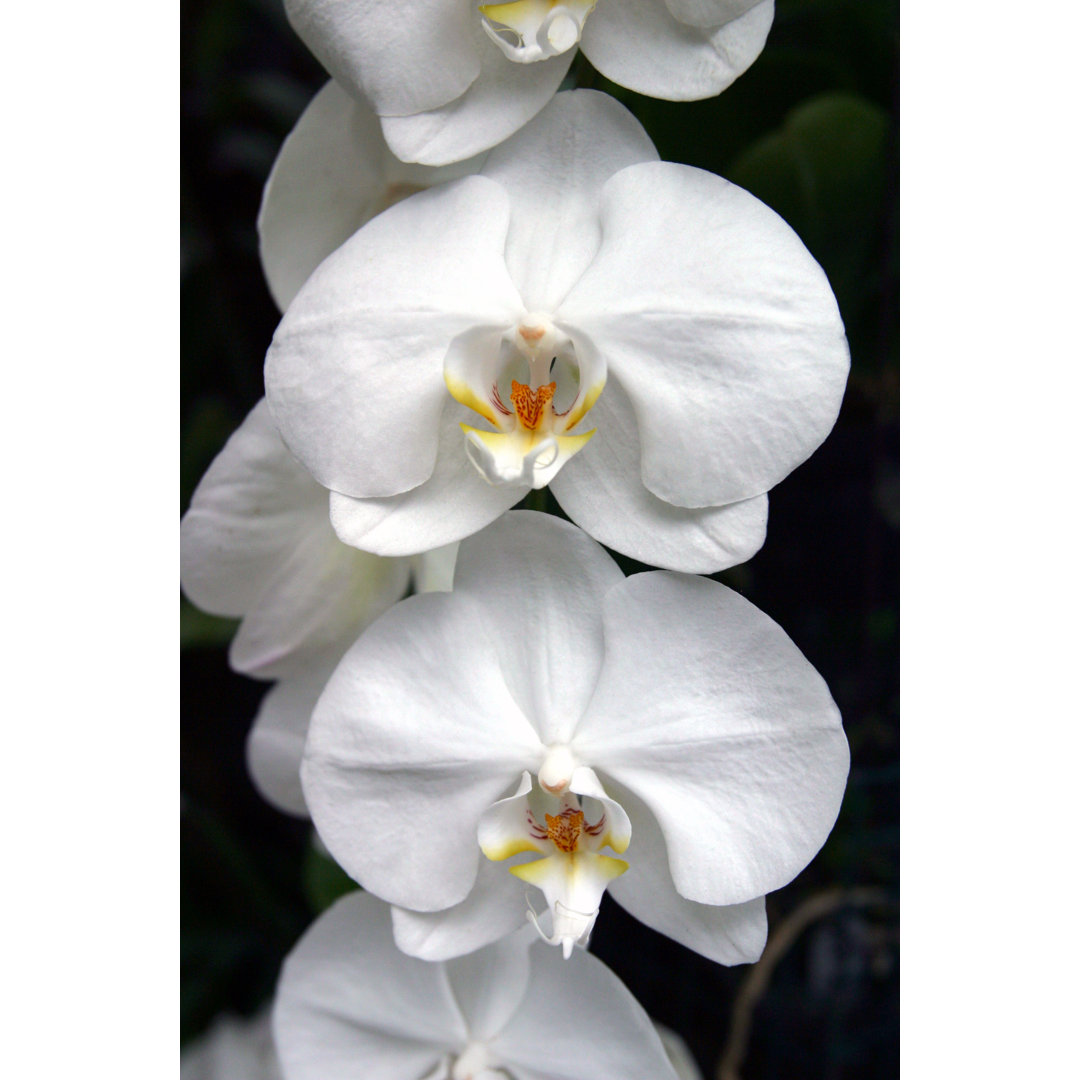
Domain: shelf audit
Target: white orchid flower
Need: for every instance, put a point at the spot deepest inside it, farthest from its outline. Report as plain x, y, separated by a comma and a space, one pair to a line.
648, 339
450, 78
333, 173
256, 543
350, 1004
549, 708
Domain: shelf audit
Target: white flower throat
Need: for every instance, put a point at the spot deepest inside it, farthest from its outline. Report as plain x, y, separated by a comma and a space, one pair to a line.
531, 30
567, 819
534, 417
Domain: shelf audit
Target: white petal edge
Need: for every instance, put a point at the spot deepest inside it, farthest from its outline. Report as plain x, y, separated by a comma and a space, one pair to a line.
275, 743
609, 1038
639, 44
404, 755
731, 349
354, 374
349, 1003
454, 502
540, 581
553, 170
402, 62
727, 934
495, 907
503, 97
601, 491
725, 731
249, 511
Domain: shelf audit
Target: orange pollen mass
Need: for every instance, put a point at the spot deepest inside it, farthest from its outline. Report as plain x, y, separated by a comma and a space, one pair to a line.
530, 404
563, 831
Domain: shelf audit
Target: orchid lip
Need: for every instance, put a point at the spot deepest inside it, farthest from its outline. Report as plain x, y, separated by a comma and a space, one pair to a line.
533, 391
527, 31
568, 833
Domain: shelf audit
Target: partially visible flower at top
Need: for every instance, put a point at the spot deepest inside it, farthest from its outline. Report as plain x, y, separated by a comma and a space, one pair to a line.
334, 172
648, 339
450, 78
256, 542
350, 1004
236, 1049
549, 708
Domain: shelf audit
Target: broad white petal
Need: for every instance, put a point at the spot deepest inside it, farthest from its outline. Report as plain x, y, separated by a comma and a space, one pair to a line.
402, 58
601, 490
333, 173
322, 596
553, 169
350, 1005
579, 1023
730, 348
640, 45
496, 906
454, 502
540, 580
275, 744
729, 934
328, 180
490, 985
503, 97
415, 735
255, 503
708, 712
354, 375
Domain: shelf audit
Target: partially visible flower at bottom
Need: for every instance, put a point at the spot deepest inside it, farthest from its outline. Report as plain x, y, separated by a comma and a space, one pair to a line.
233, 1049
350, 1004
257, 543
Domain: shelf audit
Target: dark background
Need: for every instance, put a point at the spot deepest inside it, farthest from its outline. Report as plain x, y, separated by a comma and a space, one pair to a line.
811, 128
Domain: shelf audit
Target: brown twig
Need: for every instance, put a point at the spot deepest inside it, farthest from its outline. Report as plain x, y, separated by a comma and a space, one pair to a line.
780, 942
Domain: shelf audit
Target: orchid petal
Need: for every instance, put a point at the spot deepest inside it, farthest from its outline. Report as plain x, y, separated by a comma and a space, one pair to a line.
307, 212
734, 743
730, 348
682, 1061
490, 985
252, 506
232, 1049
334, 172
323, 595
538, 579
452, 503
351, 1005
609, 1038
404, 753
503, 830
582, 138
496, 906
729, 934
354, 374
640, 45
617, 833
503, 97
275, 744
385, 50
602, 492
709, 12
